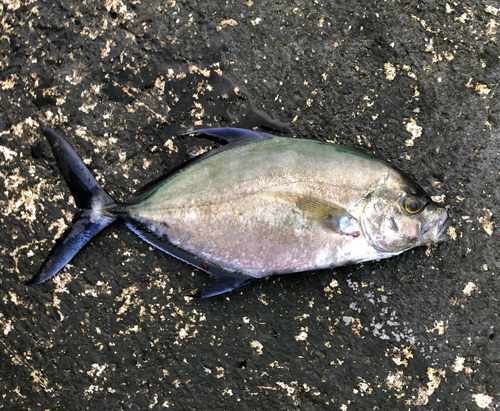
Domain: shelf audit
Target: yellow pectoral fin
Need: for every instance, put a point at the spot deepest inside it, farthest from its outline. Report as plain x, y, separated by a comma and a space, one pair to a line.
329, 215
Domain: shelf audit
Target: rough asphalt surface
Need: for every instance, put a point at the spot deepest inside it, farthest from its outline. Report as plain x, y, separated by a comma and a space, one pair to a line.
415, 83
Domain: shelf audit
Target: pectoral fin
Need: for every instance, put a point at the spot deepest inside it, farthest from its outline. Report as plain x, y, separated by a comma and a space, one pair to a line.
329, 215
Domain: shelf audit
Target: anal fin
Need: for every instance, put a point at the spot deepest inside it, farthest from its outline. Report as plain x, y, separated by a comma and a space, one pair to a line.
223, 280
221, 285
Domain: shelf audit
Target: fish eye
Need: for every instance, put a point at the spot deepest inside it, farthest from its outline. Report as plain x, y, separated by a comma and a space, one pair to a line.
412, 205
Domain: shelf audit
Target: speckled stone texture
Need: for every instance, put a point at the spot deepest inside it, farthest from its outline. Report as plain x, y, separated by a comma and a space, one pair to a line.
415, 83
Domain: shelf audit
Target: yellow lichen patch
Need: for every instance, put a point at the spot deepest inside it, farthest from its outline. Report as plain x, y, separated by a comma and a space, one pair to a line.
302, 335
159, 116
439, 326
24, 205
74, 78
333, 284
169, 144
482, 89
415, 130
363, 387
38, 378
492, 10
409, 72
160, 85
355, 323
195, 69
115, 5
289, 389
184, 332
452, 232
439, 199
107, 48
96, 370
61, 226
488, 225
458, 364
9, 83
87, 108
469, 287
257, 346
390, 71
16, 129
435, 375
483, 401
401, 356
6, 325
228, 22
396, 380
491, 28
126, 297
424, 25
7, 153
262, 299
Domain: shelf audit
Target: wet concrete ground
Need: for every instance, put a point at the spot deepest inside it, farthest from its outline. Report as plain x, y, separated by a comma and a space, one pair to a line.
415, 83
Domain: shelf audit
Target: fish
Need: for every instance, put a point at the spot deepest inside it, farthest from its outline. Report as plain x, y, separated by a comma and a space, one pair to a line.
260, 205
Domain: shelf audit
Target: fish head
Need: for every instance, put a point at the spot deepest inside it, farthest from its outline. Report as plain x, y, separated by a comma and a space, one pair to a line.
399, 215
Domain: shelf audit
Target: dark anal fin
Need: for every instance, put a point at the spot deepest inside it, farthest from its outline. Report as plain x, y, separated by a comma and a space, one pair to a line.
221, 285
231, 134
223, 280
90, 199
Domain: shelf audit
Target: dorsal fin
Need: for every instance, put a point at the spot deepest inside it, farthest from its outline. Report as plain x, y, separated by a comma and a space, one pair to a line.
231, 134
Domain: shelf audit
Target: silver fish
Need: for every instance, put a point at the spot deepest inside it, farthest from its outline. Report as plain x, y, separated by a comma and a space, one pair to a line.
258, 206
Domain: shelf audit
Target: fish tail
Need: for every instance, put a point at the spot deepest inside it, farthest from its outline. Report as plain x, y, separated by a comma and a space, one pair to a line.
91, 200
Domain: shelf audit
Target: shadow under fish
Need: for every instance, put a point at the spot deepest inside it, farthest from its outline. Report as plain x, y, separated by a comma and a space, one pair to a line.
258, 206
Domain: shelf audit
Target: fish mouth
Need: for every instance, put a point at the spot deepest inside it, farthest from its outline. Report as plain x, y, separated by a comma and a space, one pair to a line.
435, 230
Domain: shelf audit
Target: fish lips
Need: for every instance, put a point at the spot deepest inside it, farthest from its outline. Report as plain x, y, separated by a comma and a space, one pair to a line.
435, 230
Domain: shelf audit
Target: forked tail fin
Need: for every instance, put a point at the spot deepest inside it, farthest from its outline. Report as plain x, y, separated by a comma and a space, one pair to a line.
89, 197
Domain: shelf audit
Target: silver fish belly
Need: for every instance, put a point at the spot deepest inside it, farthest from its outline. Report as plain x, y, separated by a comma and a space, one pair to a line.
265, 205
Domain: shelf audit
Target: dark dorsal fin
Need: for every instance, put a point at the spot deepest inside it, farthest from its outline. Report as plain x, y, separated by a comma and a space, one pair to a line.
231, 134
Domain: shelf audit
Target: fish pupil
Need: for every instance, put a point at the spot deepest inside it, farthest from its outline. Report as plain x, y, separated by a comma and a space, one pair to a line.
413, 206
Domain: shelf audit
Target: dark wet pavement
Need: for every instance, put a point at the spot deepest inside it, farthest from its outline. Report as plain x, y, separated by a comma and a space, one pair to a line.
413, 83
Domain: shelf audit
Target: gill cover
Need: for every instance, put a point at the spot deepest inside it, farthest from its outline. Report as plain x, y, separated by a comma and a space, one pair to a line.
399, 215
